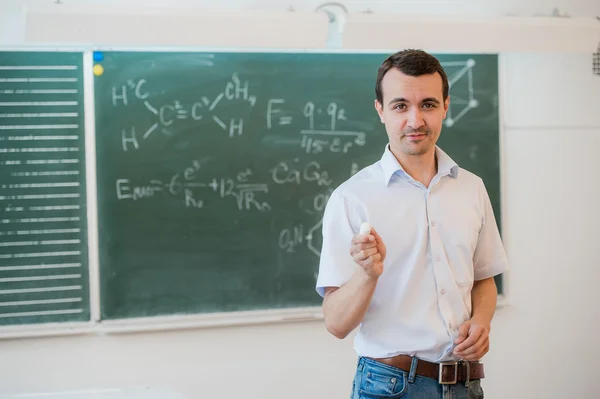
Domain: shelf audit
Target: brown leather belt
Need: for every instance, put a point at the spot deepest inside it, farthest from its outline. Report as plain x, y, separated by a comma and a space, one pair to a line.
445, 373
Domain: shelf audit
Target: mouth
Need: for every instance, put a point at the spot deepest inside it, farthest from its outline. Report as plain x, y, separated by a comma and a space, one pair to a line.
415, 137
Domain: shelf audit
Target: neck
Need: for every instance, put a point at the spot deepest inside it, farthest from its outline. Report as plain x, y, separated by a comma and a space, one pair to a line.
422, 168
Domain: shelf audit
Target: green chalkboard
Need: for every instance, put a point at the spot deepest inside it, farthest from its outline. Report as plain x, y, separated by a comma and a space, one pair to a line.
214, 169
43, 227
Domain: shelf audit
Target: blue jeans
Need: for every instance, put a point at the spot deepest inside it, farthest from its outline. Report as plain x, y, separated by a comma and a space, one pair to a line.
374, 380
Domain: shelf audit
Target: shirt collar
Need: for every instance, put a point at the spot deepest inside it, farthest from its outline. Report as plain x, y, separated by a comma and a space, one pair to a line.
391, 166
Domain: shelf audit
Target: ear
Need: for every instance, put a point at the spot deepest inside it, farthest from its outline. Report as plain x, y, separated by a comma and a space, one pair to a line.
379, 109
446, 105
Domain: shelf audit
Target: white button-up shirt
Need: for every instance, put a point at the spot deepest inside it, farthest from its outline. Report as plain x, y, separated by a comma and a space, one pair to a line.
439, 239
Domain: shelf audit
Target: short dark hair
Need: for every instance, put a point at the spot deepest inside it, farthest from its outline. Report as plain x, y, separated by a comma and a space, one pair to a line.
412, 63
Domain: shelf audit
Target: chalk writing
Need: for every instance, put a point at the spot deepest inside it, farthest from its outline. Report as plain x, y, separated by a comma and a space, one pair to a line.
184, 184
311, 172
316, 141
312, 127
291, 238
168, 114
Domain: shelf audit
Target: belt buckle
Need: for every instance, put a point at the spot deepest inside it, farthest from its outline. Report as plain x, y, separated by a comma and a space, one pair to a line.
441, 369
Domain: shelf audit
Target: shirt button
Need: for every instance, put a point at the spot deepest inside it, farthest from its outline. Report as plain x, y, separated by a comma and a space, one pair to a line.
438, 258
443, 292
433, 223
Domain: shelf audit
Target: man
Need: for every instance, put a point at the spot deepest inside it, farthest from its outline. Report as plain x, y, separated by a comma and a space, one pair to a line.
420, 284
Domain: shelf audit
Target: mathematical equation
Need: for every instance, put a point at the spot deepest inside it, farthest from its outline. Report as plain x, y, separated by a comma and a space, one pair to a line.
247, 195
314, 140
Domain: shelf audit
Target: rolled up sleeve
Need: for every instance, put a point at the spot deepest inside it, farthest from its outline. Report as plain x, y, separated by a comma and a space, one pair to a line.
489, 258
336, 265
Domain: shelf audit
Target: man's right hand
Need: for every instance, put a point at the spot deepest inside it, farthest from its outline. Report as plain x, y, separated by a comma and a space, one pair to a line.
368, 250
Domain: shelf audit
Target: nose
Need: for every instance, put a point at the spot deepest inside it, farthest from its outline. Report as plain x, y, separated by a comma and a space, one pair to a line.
415, 118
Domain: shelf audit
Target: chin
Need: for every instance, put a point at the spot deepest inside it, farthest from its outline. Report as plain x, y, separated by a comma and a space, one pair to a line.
416, 150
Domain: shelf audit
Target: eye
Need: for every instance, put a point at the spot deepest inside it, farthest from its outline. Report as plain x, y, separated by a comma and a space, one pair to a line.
429, 105
400, 106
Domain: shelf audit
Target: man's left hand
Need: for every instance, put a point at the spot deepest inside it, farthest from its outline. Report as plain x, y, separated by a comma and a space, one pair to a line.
473, 340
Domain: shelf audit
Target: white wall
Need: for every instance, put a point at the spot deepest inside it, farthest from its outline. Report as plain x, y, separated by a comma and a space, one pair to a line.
12, 24
282, 361
473, 7
544, 343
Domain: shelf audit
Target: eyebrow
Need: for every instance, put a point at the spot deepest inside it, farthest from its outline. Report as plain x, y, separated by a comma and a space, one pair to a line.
404, 100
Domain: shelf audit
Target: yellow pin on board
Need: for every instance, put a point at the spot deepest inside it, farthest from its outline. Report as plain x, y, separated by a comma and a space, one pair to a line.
98, 70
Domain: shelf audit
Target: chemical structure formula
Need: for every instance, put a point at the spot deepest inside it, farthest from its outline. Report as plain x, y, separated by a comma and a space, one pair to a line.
299, 234
166, 115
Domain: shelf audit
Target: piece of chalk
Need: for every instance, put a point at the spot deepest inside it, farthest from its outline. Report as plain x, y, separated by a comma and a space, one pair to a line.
365, 228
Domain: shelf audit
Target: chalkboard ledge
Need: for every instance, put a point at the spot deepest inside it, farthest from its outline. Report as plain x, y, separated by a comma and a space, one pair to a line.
181, 322
46, 330
165, 323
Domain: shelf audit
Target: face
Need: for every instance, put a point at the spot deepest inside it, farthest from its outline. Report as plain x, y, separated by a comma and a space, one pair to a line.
413, 111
